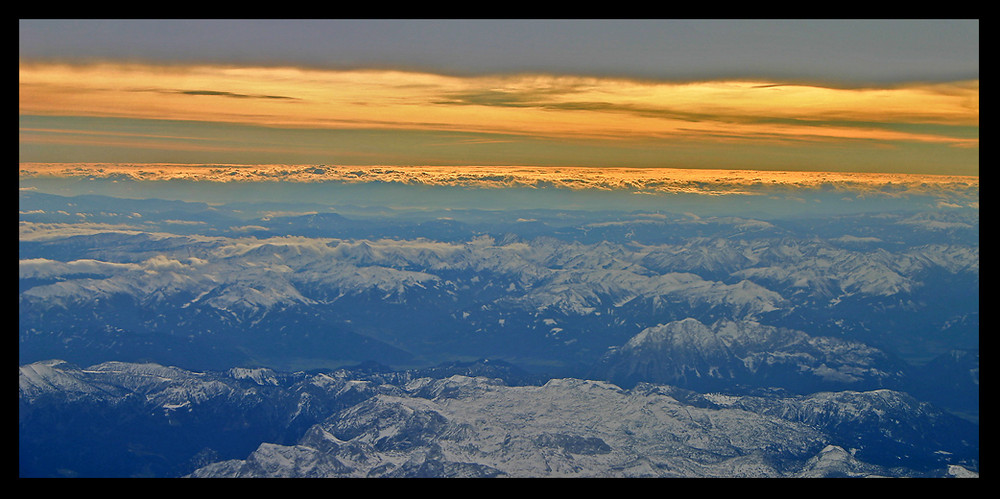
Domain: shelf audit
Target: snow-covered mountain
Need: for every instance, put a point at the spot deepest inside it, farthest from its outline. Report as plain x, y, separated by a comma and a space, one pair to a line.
641, 343
377, 423
117, 278
459, 427
747, 354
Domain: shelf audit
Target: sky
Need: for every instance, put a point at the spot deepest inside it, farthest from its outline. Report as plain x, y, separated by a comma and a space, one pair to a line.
892, 96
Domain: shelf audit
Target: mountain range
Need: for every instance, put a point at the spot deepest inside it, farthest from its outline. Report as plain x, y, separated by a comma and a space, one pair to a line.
367, 421
258, 339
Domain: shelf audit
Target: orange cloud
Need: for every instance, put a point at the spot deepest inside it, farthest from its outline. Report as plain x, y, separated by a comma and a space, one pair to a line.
556, 107
639, 180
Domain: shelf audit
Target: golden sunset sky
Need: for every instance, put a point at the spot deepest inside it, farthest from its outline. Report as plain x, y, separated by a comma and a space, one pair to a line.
189, 105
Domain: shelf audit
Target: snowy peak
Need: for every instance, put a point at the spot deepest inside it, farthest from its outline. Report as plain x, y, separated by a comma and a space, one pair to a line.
53, 377
260, 375
745, 353
835, 462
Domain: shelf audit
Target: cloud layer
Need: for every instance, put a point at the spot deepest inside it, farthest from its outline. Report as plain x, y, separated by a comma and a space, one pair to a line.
554, 107
637, 180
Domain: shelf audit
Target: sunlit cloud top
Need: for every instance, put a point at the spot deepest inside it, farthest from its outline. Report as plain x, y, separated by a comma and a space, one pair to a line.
553, 107
628, 180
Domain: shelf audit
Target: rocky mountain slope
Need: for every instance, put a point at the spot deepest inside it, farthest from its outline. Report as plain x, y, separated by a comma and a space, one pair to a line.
373, 422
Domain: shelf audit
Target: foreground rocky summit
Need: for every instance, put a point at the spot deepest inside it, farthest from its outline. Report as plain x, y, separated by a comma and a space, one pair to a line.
463, 426
476, 427
452, 421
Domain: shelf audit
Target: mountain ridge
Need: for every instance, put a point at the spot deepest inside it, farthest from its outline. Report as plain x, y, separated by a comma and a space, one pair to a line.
402, 423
